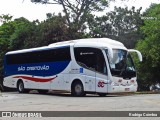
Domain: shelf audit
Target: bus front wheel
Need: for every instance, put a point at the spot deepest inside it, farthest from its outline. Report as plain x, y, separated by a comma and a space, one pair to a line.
77, 89
21, 88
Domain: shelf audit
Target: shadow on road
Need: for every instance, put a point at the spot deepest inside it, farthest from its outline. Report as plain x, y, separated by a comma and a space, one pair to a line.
64, 94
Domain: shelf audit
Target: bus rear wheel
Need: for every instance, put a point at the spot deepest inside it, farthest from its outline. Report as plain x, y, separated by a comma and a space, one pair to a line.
77, 89
21, 88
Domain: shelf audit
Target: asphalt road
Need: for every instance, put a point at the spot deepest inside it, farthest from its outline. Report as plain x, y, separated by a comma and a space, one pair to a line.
13, 101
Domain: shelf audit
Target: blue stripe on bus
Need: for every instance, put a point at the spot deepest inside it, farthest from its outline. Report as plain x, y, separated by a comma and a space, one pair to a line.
36, 69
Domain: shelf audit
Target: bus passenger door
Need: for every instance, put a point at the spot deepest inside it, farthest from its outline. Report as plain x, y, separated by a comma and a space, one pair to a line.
90, 80
101, 73
86, 60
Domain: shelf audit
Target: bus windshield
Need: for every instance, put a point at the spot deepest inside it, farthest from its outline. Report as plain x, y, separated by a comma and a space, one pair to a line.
121, 65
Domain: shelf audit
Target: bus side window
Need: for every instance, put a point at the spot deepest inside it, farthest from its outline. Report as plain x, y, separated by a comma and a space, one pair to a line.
101, 64
51, 55
86, 57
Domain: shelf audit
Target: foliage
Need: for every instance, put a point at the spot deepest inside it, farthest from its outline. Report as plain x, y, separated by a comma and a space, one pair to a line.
149, 69
53, 29
121, 24
6, 29
23, 32
5, 18
76, 12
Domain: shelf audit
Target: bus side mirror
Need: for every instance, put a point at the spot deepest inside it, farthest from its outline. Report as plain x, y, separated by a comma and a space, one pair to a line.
138, 53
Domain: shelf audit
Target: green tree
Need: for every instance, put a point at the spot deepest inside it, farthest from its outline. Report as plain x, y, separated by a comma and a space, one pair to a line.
53, 29
23, 35
5, 18
149, 69
121, 24
77, 12
6, 29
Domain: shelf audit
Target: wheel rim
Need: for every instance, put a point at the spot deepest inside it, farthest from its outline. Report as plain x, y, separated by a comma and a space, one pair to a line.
20, 86
78, 89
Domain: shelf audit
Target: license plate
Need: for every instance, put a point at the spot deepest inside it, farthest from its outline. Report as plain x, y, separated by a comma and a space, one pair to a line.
127, 89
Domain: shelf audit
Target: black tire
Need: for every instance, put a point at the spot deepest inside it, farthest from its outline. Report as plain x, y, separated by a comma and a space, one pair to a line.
1, 87
42, 91
77, 89
102, 94
20, 87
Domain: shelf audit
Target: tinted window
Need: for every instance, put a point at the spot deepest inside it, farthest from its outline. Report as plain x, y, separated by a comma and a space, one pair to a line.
86, 57
51, 55
91, 58
101, 63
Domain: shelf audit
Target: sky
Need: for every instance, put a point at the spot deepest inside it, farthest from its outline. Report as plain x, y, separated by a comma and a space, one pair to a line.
32, 11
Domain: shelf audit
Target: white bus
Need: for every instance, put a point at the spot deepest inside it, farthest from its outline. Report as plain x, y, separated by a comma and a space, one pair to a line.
95, 65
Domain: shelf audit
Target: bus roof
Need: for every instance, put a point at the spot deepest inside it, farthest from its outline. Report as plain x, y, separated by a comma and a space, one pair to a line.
94, 42
88, 42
